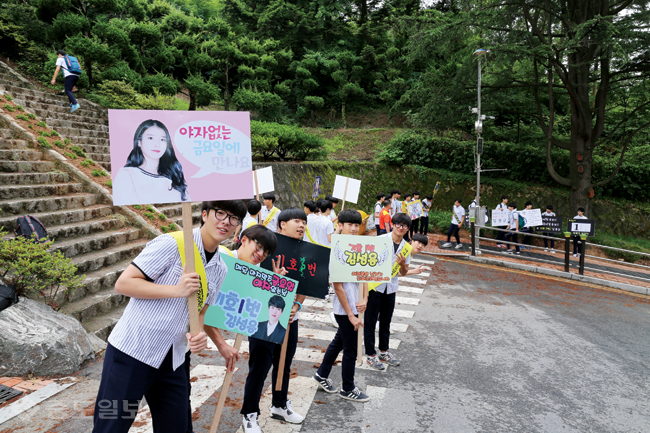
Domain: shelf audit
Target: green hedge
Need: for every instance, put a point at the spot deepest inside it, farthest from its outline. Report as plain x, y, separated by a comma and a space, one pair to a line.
285, 141
525, 162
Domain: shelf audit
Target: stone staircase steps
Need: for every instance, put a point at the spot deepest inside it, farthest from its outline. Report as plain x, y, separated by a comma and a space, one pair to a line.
84, 228
26, 166
93, 242
83, 141
6, 134
174, 213
32, 178
20, 155
81, 132
63, 217
30, 191
102, 158
44, 204
76, 117
93, 304
74, 122
103, 325
8, 143
98, 260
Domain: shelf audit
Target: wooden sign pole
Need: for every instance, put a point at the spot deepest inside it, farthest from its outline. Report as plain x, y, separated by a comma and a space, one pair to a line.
188, 239
345, 193
283, 357
257, 194
224, 390
360, 331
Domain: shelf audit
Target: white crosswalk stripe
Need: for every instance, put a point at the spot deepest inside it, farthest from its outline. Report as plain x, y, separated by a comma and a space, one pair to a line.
325, 318
406, 301
405, 289
428, 262
424, 275
410, 280
397, 313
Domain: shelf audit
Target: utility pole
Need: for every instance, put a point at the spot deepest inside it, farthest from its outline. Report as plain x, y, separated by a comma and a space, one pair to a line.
478, 127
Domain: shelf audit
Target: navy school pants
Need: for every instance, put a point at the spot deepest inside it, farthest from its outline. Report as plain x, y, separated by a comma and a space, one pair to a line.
346, 340
380, 307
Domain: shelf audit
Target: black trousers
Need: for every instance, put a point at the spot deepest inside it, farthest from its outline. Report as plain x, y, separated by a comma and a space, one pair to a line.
68, 85
576, 244
263, 356
424, 225
453, 229
125, 380
415, 225
345, 340
513, 237
547, 240
380, 307
501, 236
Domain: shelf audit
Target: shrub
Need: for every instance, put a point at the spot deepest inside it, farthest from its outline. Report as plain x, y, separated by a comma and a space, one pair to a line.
44, 133
99, 172
173, 227
70, 155
53, 133
44, 143
268, 138
109, 183
36, 271
57, 143
162, 217
118, 94
164, 229
137, 206
22, 117
19, 108
150, 208
8, 97
30, 115
8, 107
30, 126
78, 151
42, 124
150, 215
67, 141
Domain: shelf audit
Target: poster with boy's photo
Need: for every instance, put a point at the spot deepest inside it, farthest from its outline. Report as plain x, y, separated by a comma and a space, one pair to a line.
253, 302
414, 209
179, 156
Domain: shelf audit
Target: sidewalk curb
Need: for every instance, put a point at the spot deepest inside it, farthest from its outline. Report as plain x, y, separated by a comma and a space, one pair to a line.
561, 274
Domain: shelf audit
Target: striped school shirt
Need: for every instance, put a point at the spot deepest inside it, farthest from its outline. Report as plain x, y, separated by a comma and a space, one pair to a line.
149, 327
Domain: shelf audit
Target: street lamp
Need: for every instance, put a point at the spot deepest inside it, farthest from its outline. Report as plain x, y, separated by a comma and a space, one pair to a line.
478, 128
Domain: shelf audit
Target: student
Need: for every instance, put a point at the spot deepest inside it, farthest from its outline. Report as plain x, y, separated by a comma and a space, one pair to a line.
378, 207
418, 243
312, 212
576, 238
324, 226
424, 221
264, 354
152, 173
335, 202
526, 241
396, 205
347, 306
408, 198
385, 219
457, 218
254, 207
146, 353
513, 226
502, 207
549, 213
69, 78
269, 213
381, 298
271, 330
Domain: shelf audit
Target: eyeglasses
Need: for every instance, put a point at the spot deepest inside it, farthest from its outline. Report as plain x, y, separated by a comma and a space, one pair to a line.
401, 226
260, 248
221, 215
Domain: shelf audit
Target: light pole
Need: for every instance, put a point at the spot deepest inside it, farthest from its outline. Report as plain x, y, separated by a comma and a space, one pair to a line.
478, 127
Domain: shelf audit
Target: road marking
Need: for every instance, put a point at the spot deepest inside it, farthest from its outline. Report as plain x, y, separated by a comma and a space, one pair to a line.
397, 312
421, 274
428, 262
406, 301
412, 280
325, 318
31, 400
209, 380
318, 334
405, 289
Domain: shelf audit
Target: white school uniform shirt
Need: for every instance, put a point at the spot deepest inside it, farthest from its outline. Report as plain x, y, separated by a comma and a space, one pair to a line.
378, 208
273, 224
512, 222
311, 225
427, 203
352, 293
578, 217
324, 227
249, 221
332, 215
64, 67
459, 212
392, 286
396, 207
149, 327
549, 214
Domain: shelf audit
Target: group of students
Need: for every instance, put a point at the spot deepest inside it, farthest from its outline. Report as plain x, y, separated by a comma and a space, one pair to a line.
148, 352
386, 208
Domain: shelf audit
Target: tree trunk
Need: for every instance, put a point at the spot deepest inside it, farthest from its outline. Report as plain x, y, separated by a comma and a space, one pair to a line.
226, 95
345, 125
192, 102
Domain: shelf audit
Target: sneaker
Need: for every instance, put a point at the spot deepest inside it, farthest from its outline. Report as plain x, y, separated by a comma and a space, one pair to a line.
546, 250
575, 255
75, 108
509, 251
375, 363
552, 251
446, 245
459, 246
518, 253
501, 246
354, 395
286, 414
388, 358
250, 423
325, 384
327, 297
333, 319
330, 290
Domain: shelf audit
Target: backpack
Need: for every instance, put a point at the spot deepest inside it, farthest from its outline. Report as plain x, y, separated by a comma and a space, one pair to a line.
522, 221
27, 225
8, 296
73, 65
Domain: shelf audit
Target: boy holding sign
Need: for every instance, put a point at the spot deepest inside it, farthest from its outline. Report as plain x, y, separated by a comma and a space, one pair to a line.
347, 306
381, 297
269, 214
148, 344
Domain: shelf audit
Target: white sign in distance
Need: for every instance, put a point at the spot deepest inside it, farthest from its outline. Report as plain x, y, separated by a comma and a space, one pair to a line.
533, 217
500, 218
352, 192
264, 180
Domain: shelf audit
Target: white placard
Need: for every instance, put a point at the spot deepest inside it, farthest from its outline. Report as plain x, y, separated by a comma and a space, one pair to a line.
354, 187
577, 227
533, 217
264, 180
500, 218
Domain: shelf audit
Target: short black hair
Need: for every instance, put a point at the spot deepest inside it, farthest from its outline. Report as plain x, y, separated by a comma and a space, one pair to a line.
319, 201
513, 204
269, 196
291, 214
254, 206
324, 205
407, 195
504, 197
429, 197
459, 200
235, 207
581, 209
263, 235
401, 218
395, 191
277, 302
61, 52
309, 204
386, 202
416, 192
380, 196
421, 238
528, 203
350, 216
332, 199
549, 206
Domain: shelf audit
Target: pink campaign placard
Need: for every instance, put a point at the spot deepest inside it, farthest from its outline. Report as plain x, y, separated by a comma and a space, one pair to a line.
175, 156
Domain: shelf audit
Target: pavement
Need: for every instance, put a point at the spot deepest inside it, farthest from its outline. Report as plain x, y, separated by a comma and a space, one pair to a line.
483, 349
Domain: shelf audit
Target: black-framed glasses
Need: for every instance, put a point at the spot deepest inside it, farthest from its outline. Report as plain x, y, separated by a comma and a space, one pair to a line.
401, 226
260, 248
221, 215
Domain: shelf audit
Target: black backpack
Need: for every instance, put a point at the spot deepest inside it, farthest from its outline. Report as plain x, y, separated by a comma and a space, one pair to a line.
27, 225
8, 296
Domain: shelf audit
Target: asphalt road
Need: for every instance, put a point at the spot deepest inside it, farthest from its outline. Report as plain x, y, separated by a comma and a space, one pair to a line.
486, 350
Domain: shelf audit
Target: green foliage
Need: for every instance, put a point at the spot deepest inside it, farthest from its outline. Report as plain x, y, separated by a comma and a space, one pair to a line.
44, 133
31, 116
137, 206
164, 229
109, 183
149, 208
43, 143
22, 117
35, 270
53, 133
58, 143
30, 126
118, 94
70, 155
99, 173
67, 141
284, 141
162, 217
9, 107
19, 108
8, 97
78, 151
150, 215
622, 242
42, 124
173, 227
87, 162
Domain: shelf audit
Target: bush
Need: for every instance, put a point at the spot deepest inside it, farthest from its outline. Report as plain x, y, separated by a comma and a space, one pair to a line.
53, 133
109, 183
9, 107
150, 215
117, 94
67, 141
99, 173
137, 206
162, 217
30, 115
44, 143
78, 151
8, 97
70, 155
22, 117
268, 138
87, 162
57, 143
19, 108
42, 124
36, 271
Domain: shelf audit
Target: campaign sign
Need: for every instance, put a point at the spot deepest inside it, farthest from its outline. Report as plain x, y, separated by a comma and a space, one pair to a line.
316, 187
579, 226
252, 299
500, 218
305, 262
532, 217
550, 224
360, 259
414, 209
179, 156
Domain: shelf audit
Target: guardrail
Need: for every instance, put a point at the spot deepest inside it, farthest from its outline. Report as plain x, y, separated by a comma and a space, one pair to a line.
568, 238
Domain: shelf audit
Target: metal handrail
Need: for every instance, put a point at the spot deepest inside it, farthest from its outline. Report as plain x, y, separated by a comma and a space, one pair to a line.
616, 261
618, 249
523, 233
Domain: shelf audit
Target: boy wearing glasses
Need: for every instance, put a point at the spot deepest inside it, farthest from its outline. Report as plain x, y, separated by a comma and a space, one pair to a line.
264, 354
381, 298
146, 353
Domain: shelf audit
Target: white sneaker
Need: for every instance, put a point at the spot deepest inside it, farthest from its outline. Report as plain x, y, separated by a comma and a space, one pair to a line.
333, 319
250, 423
552, 251
575, 255
286, 414
546, 250
446, 245
459, 246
